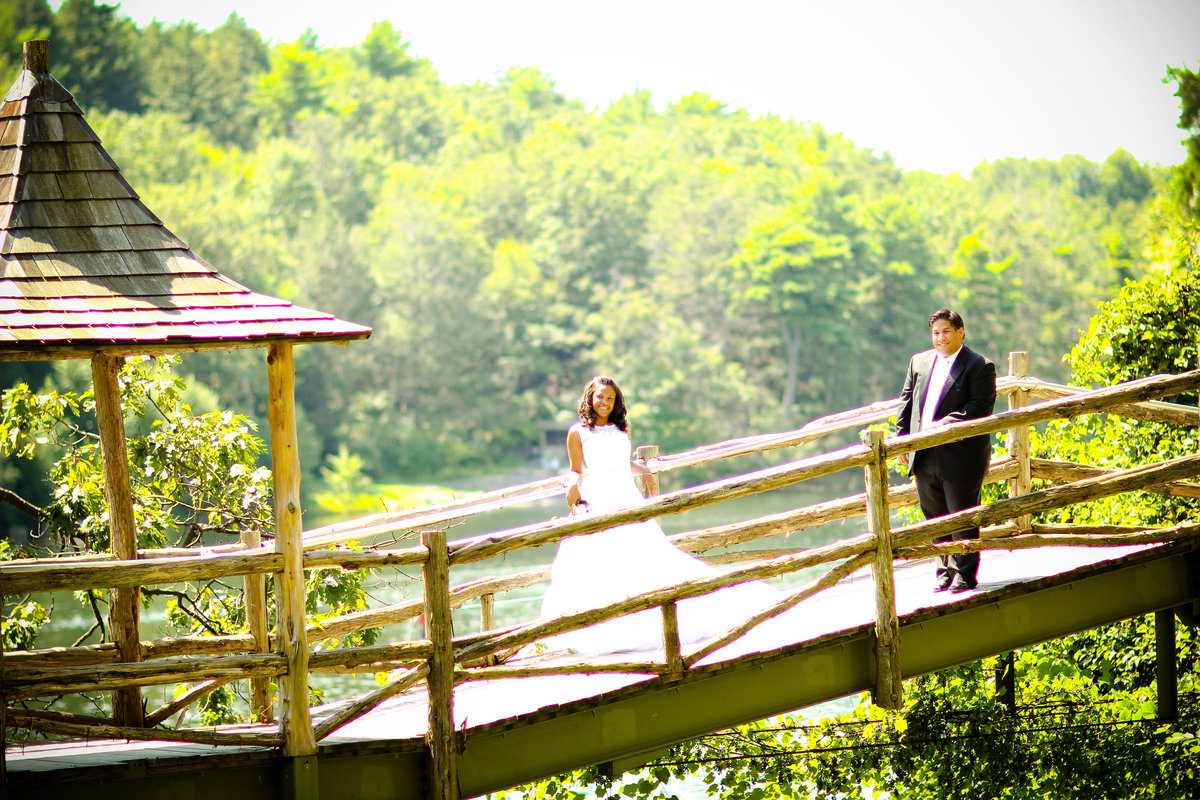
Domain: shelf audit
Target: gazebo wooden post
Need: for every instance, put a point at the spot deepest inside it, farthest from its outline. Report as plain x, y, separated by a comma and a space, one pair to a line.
1018, 438
888, 683
254, 599
122, 531
440, 738
295, 724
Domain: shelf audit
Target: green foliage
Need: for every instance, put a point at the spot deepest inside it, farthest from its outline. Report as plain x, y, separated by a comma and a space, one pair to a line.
737, 274
21, 21
1148, 329
1187, 185
94, 55
22, 617
504, 241
193, 477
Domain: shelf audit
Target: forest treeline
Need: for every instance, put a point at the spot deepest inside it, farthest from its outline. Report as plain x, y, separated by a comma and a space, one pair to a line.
737, 274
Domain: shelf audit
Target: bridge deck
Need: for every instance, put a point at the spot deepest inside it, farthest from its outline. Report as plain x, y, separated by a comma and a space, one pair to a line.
806, 645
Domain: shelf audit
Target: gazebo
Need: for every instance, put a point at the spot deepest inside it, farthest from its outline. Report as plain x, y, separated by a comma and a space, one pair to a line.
88, 271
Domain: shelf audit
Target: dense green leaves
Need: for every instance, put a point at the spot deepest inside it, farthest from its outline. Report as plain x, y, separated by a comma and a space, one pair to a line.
736, 274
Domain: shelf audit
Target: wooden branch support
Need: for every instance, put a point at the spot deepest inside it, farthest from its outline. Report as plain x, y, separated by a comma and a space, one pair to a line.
813, 587
1067, 471
25, 683
888, 680
671, 646
440, 738
122, 527
1072, 539
295, 725
364, 704
1018, 437
168, 710
503, 672
34, 722
1055, 497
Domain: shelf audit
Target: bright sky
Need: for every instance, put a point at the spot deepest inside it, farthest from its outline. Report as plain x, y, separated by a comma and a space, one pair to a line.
941, 84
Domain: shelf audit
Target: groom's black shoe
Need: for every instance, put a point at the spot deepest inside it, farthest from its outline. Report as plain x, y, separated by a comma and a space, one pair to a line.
943, 584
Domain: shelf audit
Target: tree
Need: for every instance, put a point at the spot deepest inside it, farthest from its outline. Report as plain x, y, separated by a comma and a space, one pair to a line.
794, 271
21, 21
292, 87
94, 55
1187, 89
205, 78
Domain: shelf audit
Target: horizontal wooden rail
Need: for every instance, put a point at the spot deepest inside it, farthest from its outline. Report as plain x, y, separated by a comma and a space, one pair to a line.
1063, 471
1097, 401
1150, 410
1029, 540
695, 542
22, 684
53, 575
31, 720
1049, 499
66, 670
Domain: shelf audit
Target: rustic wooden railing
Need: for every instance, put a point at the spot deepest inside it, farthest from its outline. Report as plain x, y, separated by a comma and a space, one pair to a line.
440, 660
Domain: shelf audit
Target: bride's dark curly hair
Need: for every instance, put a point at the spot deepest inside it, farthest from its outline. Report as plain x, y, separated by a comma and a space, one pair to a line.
587, 414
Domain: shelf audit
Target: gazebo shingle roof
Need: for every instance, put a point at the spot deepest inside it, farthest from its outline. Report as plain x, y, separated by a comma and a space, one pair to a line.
86, 266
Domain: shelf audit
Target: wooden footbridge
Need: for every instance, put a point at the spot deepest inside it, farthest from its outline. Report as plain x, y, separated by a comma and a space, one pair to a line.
462, 716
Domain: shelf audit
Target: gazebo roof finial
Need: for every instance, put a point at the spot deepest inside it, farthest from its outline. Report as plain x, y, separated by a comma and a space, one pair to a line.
37, 56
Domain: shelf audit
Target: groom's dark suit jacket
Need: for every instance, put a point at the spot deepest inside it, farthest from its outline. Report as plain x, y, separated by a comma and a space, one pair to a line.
970, 393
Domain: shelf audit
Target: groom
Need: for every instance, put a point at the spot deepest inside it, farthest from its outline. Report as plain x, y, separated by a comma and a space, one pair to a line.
948, 384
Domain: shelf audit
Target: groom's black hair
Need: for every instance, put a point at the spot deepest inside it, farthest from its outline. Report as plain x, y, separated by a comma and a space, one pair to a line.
948, 314
587, 414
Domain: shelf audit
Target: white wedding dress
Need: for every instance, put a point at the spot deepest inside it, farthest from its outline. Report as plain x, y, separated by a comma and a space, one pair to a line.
601, 568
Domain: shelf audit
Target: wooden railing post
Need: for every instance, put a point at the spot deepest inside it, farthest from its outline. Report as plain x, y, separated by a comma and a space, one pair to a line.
888, 682
122, 528
672, 648
487, 620
644, 454
440, 738
254, 601
1018, 438
295, 722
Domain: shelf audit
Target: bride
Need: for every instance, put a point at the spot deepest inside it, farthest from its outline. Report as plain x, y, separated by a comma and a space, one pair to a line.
601, 568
